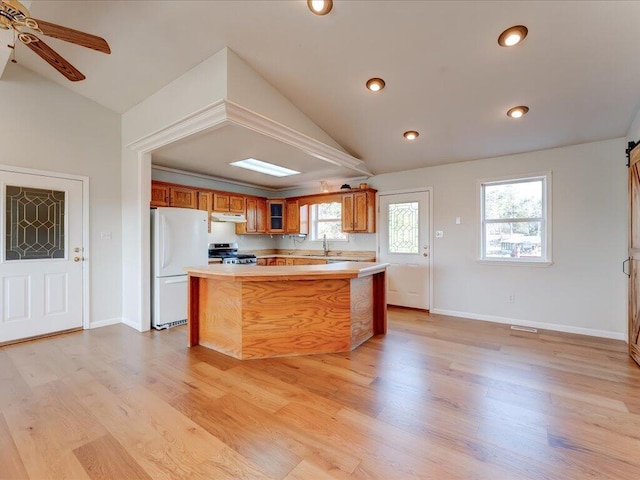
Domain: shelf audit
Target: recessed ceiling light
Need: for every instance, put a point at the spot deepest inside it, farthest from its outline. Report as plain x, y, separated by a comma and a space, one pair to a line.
517, 112
320, 7
411, 135
375, 84
264, 167
512, 36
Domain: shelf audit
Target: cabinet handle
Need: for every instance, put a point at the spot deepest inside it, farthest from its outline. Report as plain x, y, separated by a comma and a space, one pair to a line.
628, 274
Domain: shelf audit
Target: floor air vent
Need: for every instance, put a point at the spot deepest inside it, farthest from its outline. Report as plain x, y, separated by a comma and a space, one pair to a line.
524, 329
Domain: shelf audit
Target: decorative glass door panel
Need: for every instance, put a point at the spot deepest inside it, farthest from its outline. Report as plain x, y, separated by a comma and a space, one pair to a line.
403, 227
35, 223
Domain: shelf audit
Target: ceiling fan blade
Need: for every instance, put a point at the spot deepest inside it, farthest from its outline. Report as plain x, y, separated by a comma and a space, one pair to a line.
74, 36
54, 59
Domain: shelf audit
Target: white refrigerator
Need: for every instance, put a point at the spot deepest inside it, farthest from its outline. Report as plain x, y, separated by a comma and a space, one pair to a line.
178, 240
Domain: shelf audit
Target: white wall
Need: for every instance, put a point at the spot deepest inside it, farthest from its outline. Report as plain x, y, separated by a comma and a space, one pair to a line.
47, 127
248, 89
633, 135
584, 291
356, 241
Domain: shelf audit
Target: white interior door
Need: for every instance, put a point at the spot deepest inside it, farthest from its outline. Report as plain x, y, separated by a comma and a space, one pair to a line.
404, 244
41, 274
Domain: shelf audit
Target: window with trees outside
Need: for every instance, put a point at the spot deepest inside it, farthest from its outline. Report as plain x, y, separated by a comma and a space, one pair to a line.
515, 219
326, 219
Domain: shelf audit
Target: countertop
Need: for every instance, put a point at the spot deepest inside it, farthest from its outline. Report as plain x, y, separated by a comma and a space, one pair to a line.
346, 258
235, 272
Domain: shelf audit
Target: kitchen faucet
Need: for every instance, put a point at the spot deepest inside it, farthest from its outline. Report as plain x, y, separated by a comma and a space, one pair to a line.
325, 245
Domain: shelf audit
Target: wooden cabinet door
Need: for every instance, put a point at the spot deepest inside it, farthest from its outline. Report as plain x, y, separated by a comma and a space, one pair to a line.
347, 212
293, 217
204, 203
261, 215
634, 254
236, 204
281, 262
252, 221
220, 202
159, 195
309, 261
183, 197
360, 212
275, 216
262, 261
255, 209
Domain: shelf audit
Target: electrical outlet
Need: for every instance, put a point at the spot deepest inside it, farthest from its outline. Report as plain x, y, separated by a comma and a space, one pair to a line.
511, 298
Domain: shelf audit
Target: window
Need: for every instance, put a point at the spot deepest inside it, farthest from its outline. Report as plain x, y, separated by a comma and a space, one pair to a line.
515, 224
326, 219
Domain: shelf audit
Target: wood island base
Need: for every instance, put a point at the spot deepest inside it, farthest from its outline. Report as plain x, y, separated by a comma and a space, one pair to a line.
250, 312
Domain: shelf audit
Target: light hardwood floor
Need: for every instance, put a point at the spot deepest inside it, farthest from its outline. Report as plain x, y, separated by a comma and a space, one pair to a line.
437, 397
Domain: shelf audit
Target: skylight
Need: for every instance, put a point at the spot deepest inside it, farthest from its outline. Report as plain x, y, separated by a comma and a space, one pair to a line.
264, 167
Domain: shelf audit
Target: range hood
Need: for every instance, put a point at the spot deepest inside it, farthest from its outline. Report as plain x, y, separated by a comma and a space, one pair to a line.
228, 217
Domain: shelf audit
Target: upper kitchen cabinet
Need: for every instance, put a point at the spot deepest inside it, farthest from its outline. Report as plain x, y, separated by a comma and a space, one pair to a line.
204, 203
183, 197
276, 216
297, 220
256, 212
224, 202
159, 195
359, 211
168, 195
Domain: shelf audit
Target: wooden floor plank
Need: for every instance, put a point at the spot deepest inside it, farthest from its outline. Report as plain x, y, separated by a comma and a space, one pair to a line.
105, 458
11, 466
436, 398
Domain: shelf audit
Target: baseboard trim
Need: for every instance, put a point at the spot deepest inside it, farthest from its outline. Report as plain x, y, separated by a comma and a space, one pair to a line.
129, 323
525, 323
105, 323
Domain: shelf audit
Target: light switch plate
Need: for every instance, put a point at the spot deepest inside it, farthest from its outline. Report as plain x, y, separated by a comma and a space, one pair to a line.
439, 234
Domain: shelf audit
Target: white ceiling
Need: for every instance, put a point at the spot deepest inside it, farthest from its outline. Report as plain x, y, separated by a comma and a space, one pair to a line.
578, 69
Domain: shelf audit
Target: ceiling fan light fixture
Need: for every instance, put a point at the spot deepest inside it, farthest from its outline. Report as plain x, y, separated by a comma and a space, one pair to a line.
517, 112
320, 7
375, 84
513, 36
410, 134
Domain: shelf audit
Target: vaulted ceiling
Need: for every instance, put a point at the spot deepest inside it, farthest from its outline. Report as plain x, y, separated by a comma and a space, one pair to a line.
445, 74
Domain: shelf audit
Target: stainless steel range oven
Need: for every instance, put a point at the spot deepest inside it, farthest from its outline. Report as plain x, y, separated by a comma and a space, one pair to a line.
228, 252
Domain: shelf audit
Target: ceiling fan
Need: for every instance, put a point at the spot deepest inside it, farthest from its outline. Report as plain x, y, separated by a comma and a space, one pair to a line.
14, 16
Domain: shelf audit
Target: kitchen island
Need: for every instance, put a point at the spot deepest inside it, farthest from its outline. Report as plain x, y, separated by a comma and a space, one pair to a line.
260, 312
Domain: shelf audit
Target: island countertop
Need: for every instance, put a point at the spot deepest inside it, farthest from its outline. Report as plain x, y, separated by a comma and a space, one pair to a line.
248, 273
250, 311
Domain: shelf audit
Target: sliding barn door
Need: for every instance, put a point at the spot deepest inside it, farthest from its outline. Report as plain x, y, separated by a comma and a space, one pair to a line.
634, 254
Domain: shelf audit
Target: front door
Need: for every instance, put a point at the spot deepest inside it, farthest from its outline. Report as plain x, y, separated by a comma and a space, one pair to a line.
634, 255
41, 274
404, 244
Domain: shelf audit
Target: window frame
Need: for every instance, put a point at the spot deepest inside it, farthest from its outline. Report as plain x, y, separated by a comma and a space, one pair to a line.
546, 258
314, 220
